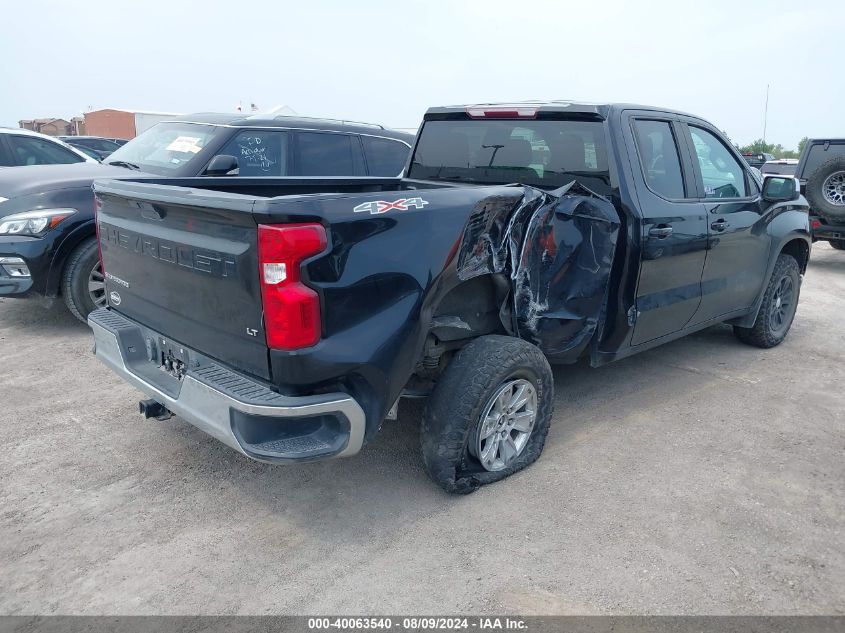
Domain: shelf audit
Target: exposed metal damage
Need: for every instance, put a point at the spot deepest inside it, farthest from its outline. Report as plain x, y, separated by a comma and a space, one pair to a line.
557, 248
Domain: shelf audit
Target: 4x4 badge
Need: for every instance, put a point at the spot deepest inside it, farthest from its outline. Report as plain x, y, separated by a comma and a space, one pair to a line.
383, 206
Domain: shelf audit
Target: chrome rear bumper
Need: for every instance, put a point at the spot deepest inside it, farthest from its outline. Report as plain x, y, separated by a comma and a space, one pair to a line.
237, 410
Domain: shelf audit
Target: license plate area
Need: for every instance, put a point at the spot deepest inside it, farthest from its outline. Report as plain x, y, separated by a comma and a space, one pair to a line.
172, 358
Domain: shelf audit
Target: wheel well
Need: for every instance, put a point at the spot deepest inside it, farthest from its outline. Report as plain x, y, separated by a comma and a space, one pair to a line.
799, 249
63, 254
472, 308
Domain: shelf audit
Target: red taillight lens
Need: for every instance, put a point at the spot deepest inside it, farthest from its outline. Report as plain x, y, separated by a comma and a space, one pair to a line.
815, 224
291, 309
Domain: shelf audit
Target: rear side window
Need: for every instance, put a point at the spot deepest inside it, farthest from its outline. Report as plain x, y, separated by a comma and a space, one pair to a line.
384, 157
659, 158
545, 153
259, 152
818, 155
322, 154
30, 150
721, 173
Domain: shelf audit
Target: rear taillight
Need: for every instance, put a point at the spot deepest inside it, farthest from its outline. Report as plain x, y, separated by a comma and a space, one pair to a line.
291, 309
815, 224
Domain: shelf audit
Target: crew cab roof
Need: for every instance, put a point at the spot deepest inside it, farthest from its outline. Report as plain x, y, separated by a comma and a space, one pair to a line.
600, 110
295, 122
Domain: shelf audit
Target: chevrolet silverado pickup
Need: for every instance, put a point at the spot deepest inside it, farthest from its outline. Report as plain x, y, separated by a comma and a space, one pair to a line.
287, 318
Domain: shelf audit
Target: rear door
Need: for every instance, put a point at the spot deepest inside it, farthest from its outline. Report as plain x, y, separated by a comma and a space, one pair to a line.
737, 250
673, 230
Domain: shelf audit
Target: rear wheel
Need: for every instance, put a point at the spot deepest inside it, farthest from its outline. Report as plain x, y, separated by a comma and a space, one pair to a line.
489, 414
83, 284
838, 244
778, 307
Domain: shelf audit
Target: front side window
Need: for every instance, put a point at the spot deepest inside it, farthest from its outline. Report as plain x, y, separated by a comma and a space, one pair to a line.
545, 153
721, 173
659, 158
166, 147
259, 152
31, 150
325, 154
384, 157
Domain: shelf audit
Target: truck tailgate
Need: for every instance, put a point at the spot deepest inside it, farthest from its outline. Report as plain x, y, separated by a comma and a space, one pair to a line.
184, 262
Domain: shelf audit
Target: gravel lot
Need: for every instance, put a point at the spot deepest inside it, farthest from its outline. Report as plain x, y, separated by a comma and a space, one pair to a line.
700, 477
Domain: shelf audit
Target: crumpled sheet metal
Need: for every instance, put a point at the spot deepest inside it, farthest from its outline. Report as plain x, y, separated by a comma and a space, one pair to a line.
558, 250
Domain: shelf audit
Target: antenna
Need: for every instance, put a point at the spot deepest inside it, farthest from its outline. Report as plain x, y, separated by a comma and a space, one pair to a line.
765, 114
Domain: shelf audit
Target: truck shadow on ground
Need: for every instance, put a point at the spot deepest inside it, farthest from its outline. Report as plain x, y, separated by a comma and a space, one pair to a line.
387, 481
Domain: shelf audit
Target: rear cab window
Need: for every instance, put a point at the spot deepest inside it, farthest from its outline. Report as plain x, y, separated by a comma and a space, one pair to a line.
542, 153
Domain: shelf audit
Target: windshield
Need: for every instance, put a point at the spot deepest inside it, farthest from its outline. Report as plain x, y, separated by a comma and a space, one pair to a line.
546, 154
165, 147
779, 168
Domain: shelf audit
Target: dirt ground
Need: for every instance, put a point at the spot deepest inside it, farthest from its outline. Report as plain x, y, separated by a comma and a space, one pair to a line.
701, 477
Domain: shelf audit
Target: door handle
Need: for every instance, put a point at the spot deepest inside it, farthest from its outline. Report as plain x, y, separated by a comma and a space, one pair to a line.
719, 225
661, 232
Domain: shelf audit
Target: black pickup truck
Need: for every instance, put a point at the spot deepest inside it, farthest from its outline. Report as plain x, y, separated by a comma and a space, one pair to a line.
287, 318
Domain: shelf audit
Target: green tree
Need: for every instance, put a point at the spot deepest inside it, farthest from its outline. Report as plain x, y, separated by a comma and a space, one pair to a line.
802, 144
777, 150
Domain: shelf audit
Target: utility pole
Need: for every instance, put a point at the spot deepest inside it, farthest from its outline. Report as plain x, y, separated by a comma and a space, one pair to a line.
765, 114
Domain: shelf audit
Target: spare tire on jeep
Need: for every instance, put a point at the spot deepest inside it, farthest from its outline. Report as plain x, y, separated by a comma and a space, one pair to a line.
826, 190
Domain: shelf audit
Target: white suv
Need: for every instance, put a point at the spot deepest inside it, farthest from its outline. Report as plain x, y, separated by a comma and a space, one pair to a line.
19, 148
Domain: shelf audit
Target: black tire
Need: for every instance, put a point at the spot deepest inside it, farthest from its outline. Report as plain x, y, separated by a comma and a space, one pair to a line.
452, 414
837, 244
75, 278
768, 330
835, 213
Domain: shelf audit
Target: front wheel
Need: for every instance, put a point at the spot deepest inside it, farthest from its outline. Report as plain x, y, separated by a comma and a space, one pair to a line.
778, 307
83, 284
489, 414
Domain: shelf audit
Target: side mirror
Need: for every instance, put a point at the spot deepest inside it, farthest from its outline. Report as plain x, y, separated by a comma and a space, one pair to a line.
222, 165
780, 189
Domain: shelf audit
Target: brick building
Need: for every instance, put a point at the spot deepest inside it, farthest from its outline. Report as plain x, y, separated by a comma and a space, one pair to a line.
114, 123
51, 126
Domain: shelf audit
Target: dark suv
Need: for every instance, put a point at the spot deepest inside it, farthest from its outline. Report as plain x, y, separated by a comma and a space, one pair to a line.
47, 235
99, 148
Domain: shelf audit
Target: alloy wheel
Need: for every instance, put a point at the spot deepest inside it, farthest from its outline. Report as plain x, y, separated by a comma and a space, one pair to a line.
505, 425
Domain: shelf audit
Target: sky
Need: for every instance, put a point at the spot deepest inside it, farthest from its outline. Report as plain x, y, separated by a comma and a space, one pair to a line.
387, 61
